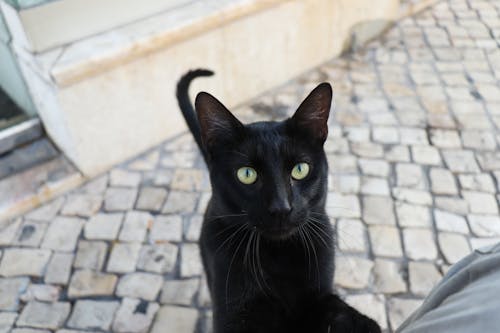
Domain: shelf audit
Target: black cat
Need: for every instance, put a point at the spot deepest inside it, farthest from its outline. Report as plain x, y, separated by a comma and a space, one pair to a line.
266, 242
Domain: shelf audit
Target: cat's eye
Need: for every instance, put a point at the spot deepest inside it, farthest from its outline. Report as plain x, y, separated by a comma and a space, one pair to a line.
247, 175
300, 171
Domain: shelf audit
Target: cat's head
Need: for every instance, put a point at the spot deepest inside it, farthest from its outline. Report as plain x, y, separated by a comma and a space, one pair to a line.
274, 172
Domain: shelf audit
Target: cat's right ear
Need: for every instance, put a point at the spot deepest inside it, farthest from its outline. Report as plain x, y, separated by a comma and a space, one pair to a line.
217, 123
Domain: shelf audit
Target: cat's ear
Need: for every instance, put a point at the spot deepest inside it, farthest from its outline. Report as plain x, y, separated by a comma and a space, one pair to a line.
217, 123
312, 115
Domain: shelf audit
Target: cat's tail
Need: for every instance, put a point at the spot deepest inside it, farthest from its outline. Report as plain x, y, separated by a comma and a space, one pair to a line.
187, 107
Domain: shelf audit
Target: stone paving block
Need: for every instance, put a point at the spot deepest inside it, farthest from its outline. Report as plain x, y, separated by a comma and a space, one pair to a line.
95, 315
445, 138
44, 315
400, 309
480, 140
119, 199
481, 203
372, 167
374, 186
419, 244
453, 246
412, 196
426, 155
442, 182
413, 136
10, 292
19, 261
410, 175
158, 258
191, 261
387, 277
135, 226
357, 133
177, 319
346, 206
481, 243
345, 184
187, 180
30, 234
194, 228
124, 178
59, 268
370, 305
8, 230
423, 277
103, 226
139, 285
41, 292
85, 283
166, 228
134, 315
484, 225
367, 149
90, 255
410, 215
123, 258
47, 212
62, 234
84, 205
460, 161
179, 159
351, 236
151, 199
162, 177
446, 221
180, 202
7, 320
481, 183
397, 154
352, 272
452, 204
385, 241
179, 292
385, 135
489, 161
378, 210
342, 163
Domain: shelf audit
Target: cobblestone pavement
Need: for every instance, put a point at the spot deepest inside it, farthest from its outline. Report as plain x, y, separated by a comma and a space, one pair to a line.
415, 185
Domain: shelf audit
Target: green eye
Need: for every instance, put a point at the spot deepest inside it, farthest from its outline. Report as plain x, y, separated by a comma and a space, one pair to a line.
247, 175
300, 171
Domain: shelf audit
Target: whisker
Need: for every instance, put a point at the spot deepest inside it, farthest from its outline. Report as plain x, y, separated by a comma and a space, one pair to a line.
310, 226
315, 254
259, 264
230, 237
306, 246
231, 264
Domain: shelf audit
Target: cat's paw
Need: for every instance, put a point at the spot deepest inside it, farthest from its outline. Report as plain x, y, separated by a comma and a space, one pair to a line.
351, 321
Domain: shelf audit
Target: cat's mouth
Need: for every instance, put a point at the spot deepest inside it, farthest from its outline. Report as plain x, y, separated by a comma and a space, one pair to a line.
280, 233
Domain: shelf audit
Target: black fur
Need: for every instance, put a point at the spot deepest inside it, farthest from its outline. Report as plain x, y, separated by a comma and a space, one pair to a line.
267, 247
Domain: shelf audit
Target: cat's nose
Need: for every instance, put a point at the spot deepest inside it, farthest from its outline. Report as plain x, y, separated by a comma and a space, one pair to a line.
280, 207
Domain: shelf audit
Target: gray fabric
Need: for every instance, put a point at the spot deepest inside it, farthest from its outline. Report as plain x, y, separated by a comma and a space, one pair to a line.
467, 300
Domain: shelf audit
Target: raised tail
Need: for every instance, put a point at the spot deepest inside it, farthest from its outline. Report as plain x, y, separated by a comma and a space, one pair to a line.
187, 107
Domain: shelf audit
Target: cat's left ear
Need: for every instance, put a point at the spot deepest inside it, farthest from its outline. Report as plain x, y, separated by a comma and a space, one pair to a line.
217, 123
312, 115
